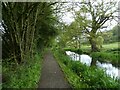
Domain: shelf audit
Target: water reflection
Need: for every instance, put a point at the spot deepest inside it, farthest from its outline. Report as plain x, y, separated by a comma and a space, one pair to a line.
86, 59
110, 69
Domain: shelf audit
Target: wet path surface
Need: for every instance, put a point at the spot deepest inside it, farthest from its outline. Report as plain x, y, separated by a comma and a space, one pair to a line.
51, 74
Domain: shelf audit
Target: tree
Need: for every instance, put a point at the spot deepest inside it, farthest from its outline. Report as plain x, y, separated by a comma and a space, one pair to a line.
27, 26
92, 16
100, 41
111, 35
107, 35
116, 36
71, 35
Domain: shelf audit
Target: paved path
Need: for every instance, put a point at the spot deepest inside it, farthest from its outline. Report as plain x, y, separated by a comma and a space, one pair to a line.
51, 75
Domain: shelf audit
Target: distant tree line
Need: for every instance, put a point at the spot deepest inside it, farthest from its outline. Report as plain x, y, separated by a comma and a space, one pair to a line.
112, 35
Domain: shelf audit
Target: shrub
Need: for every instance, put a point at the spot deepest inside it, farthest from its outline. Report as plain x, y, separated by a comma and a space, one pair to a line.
115, 49
79, 51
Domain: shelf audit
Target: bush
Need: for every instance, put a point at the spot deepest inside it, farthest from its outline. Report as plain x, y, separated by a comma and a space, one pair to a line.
79, 51
114, 51
75, 66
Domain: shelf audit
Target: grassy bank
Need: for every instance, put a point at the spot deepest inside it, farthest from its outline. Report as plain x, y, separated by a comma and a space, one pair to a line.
82, 76
22, 76
109, 57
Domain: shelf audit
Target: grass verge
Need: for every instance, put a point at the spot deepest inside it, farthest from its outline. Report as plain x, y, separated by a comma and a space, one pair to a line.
72, 78
23, 76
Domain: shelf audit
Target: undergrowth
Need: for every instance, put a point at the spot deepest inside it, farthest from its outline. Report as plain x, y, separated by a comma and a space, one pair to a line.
23, 76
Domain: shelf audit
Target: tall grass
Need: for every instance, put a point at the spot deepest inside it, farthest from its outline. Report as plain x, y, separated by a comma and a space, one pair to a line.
23, 76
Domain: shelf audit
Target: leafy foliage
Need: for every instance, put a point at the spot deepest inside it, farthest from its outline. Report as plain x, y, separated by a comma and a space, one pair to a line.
27, 26
100, 41
79, 51
112, 35
92, 17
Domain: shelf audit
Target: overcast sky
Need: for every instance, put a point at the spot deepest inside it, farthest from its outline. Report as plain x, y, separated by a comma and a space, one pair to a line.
68, 18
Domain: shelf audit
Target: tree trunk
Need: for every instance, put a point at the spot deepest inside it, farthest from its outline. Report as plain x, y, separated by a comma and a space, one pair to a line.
93, 62
94, 48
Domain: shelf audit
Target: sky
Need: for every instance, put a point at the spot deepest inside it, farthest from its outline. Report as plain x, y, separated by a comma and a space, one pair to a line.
68, 18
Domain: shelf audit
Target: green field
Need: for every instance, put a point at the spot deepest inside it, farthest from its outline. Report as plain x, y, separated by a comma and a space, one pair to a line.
105, 46
112, 45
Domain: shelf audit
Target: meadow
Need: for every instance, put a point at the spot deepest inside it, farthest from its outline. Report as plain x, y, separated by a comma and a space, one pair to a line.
105, 46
